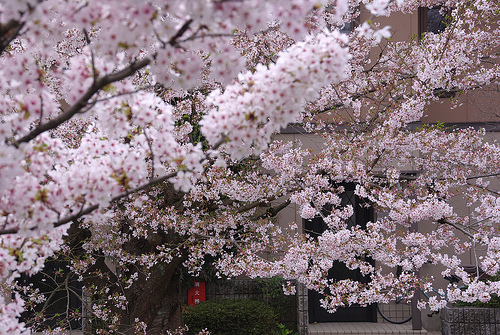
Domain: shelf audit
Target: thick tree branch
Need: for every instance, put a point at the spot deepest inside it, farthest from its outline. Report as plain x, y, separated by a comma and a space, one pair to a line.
255, 204
83, 101
444, 221
174, 40
273, 211
97, 85
8, 32
484, 176
90, 209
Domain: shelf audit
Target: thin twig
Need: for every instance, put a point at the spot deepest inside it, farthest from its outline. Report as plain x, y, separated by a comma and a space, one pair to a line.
152, 154
92, 57
123, 93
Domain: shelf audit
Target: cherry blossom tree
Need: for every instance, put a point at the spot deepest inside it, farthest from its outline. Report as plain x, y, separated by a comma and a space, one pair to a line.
139, 137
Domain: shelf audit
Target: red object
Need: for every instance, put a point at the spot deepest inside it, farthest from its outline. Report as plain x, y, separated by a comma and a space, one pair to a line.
196, 293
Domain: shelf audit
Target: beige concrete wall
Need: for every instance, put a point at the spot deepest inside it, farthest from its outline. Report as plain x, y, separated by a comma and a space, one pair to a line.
313, 142
478, 106
290, 214
475, 106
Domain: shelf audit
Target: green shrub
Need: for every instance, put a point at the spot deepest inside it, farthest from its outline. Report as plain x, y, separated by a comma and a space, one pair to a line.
231, 317
285, 306
493, 303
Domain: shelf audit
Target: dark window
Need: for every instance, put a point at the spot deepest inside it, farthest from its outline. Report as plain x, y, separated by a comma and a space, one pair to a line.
436, 21
346, 28
433, 20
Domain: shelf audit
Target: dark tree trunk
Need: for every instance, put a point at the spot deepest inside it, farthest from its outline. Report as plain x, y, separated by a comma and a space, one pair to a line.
153, 299
169, 315
157, 301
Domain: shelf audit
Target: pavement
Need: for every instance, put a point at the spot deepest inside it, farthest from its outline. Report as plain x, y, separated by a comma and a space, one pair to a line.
365, 328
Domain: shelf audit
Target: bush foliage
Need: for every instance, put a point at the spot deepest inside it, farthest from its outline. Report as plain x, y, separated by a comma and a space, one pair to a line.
231, 317
494, 301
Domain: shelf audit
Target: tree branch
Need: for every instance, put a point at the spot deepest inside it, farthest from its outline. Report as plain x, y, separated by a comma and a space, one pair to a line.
273, 211
83, 101
90, 209
8, 32
173, 41
255, 204
444, 221
484, 176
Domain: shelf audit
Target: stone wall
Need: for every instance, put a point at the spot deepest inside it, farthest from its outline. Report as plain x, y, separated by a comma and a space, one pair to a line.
470, 321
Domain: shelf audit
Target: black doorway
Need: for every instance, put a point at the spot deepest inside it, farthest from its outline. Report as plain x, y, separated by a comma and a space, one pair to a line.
339, 271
